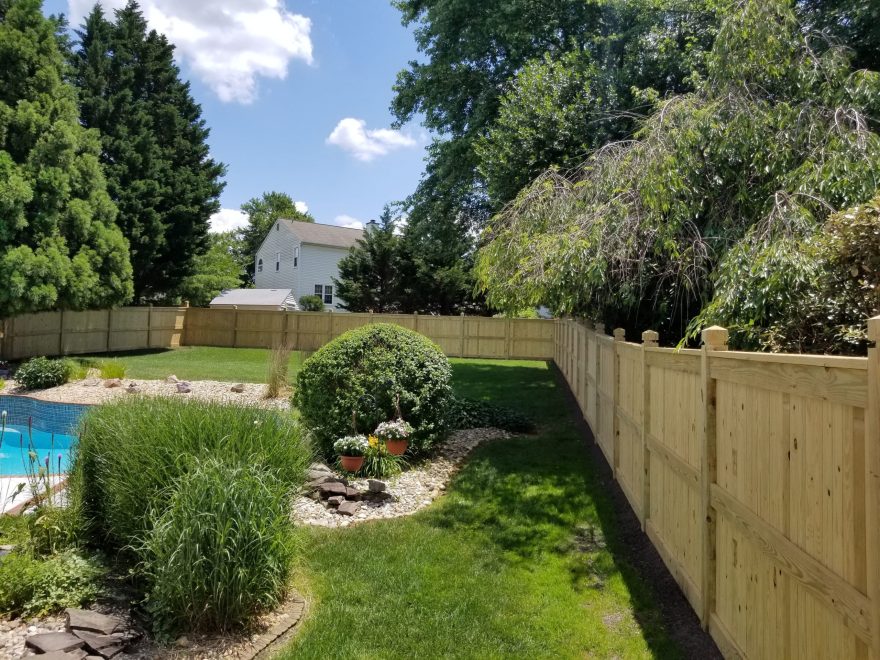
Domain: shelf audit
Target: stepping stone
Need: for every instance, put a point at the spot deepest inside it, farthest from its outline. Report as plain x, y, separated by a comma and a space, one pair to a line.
323, 479
332, 488
335, 501
90, 621
349, 508
352, 493
377, 486
57, 641
97, 642
76, 654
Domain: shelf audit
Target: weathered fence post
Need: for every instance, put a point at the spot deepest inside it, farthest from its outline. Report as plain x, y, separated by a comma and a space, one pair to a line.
872, 482
61, 333
149, 325
461, 340
235, 326
598, 331
619, 336
650, 339
714, 339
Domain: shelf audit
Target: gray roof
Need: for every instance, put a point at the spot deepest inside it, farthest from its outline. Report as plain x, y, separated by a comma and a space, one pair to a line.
246, 297
330, 235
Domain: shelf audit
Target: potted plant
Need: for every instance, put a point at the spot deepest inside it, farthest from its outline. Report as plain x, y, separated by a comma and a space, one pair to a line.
351, 450
395, 435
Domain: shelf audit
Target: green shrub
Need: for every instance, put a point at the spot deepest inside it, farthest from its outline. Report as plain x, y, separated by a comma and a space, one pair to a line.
111, 369
219, 549
133, 452
311, 304
40, 372
364, 371
473, 414
36, 587
75, 369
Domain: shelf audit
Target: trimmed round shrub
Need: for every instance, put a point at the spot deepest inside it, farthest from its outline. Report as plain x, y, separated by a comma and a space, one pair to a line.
40, 372
219, 550
351, 385
132, 453
311, 304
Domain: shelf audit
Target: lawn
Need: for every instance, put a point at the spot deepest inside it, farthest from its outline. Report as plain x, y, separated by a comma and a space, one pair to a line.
515, 561
238, 365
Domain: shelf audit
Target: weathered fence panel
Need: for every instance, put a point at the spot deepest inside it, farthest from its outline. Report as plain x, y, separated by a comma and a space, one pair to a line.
756, 477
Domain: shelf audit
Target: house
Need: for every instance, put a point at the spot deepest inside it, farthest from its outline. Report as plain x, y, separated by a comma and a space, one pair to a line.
262, 299
304, 257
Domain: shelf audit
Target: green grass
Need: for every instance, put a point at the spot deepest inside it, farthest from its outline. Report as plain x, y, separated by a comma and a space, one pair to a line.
517, 560
239, 365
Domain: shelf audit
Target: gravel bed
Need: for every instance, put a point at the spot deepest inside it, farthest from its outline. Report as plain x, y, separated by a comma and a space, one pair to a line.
411, 490
92, 390
13, 633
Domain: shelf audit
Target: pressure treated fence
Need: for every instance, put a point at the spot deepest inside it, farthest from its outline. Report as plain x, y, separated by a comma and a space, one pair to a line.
756, 477
133, 328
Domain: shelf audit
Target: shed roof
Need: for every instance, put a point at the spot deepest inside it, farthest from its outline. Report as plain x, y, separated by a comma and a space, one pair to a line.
330, 235
245, 297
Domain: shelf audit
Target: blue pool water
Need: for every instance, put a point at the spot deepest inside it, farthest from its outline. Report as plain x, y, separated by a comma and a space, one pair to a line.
52, 433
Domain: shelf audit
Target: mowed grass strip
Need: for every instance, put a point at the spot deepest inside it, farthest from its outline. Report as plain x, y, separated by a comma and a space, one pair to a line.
517, 560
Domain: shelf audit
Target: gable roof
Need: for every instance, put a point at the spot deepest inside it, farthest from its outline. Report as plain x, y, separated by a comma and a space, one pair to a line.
329, 235
261, 297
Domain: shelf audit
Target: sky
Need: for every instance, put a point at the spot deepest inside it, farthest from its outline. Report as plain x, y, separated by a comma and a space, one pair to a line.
296, 94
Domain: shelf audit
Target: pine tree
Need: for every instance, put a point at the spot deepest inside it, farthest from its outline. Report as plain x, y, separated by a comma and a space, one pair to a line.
59, 245
369, 274
155, 152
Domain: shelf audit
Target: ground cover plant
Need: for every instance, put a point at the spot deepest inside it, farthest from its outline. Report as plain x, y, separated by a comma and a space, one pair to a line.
519, 559
370, 375
188, 494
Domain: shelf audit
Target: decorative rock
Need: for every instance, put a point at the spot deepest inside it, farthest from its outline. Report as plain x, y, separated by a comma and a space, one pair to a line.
352, 493
76, 654
172, 379
349, 508
320, 467
57, 641
238, 389
183, 642
183, 388
376, 486
97, 642
91, 382
335, 501
323, 479
332, 488
112, 382
132, 388
93, 622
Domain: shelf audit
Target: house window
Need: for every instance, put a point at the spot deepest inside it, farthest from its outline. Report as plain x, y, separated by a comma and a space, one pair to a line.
295, 257
277, 261
324, 291
260, 266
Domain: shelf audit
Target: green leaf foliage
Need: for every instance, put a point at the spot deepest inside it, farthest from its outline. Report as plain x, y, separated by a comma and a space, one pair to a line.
40, 372
311, 303
215, 270
154, 145
59, 246
779, 135
353, 383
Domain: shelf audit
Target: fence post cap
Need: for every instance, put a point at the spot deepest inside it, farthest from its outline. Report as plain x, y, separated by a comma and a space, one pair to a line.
619, 334
600, 328
651, 337
715, 337
874, 329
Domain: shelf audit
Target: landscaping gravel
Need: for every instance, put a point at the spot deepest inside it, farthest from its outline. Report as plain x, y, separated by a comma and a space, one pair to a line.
410, 491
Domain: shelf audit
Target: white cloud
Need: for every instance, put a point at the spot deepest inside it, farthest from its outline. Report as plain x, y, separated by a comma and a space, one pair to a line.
228, 44
348, 221
352, 135
227, 220
302, 207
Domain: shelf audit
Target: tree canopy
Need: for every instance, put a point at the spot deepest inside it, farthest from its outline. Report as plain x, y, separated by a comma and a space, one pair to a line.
59, 246
215, 270
369, 276
779, 134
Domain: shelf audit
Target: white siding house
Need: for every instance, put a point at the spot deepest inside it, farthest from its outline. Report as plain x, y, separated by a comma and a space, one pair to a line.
304, 257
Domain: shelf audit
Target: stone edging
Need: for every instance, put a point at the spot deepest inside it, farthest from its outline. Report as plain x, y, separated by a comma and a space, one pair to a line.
266, 643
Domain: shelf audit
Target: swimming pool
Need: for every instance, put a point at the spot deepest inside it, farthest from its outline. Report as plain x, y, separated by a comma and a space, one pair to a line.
47, 426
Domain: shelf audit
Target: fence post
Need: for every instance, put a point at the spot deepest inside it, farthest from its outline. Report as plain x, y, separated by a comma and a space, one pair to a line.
235, 326
416, 321
285, 337
508, 338
650, 339
714, 339
110, 327
149, 325
461, 340
61, 332
872, 482
598, 331
619, 336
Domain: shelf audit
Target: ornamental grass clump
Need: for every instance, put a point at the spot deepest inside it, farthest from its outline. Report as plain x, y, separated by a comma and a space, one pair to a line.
370, 375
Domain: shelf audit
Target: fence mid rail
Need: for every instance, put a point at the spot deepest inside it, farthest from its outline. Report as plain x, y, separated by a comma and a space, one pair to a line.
756, 477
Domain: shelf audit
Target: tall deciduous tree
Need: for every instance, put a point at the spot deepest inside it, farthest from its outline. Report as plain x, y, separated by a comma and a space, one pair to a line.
154, 145
262, 212
59, 246
216, 270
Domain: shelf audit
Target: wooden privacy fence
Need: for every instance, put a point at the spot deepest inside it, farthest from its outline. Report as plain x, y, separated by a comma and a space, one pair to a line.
458, 336
95, 331
756, 477
133, 328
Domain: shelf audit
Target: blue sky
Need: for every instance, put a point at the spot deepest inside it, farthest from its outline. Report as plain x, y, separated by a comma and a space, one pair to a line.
277, 79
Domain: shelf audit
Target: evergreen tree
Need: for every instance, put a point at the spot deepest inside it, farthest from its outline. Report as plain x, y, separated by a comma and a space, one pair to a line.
262, 212
155, 152
59, 246
369, 274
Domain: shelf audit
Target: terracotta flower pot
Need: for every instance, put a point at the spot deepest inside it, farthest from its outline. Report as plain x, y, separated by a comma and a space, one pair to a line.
351, 463
396, 447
